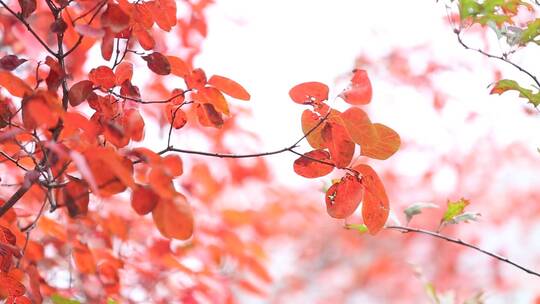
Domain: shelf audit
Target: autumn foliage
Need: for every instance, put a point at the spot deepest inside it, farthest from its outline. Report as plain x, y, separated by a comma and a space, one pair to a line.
96, 207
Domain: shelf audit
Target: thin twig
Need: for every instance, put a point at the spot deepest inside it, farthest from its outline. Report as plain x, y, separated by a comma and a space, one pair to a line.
462, 243
30, 29
502, 58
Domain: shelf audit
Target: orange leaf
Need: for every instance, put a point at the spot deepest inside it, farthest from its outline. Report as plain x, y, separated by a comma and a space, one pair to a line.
309, 92
360, 90
174, 218
178, 66
308, 166
309, 121
79, 91
14, 85
343, 197
375, 207
143, 200
173, 165
229, 87
208, 116
196, 79
339, 144
123, 72
358, 125
385, 143
175, 116
83, 258
75, 196
213, 96
164, 13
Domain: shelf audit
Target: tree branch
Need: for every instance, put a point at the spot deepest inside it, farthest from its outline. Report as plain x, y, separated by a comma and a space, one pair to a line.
502, 58
462, 243
21, 19
30, 179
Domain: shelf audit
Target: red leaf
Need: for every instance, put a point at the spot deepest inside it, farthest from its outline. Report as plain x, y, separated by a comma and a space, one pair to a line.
196, 79
83, 258
229, 87
123, 72
360, 91
308, 166
158, 63
339, 144
75, 196
11, 62
144, 37
143, 200
343, 197
14, 85
385, 143
10, 285
309, 92
27, 7
178, 66
103, 76
175, 116
107, 44
173, 165
309, 121
164, 13
174, 218
115, 18
375, 207
79, 92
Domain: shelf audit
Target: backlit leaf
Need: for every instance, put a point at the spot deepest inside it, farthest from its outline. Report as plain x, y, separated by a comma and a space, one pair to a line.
174, 218
27, 7
359, 91
343, 197
358, 125
123, 72
308, 166
83, 258
208, 116
14, 85
10, 285
178, 66
143, 200
309, 92
510, 85
385, 143
213, 96
115, 18
454, 209
229, 87
309, 121
339, 144
102, 76
375, 205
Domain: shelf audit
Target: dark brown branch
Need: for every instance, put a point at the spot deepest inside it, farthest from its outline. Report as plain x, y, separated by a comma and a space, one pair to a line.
81, 37
139, 100
21, 19
462, 243
502, 58
30, 179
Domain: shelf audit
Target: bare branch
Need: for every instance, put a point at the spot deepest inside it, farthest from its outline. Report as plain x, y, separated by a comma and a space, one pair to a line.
462, 243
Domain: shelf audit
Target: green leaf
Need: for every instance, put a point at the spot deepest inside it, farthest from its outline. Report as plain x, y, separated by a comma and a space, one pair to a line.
111, 301
531, 32
510, 85
361, 228
58, 299
454, 209
468, 8
432, 292
416, 208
